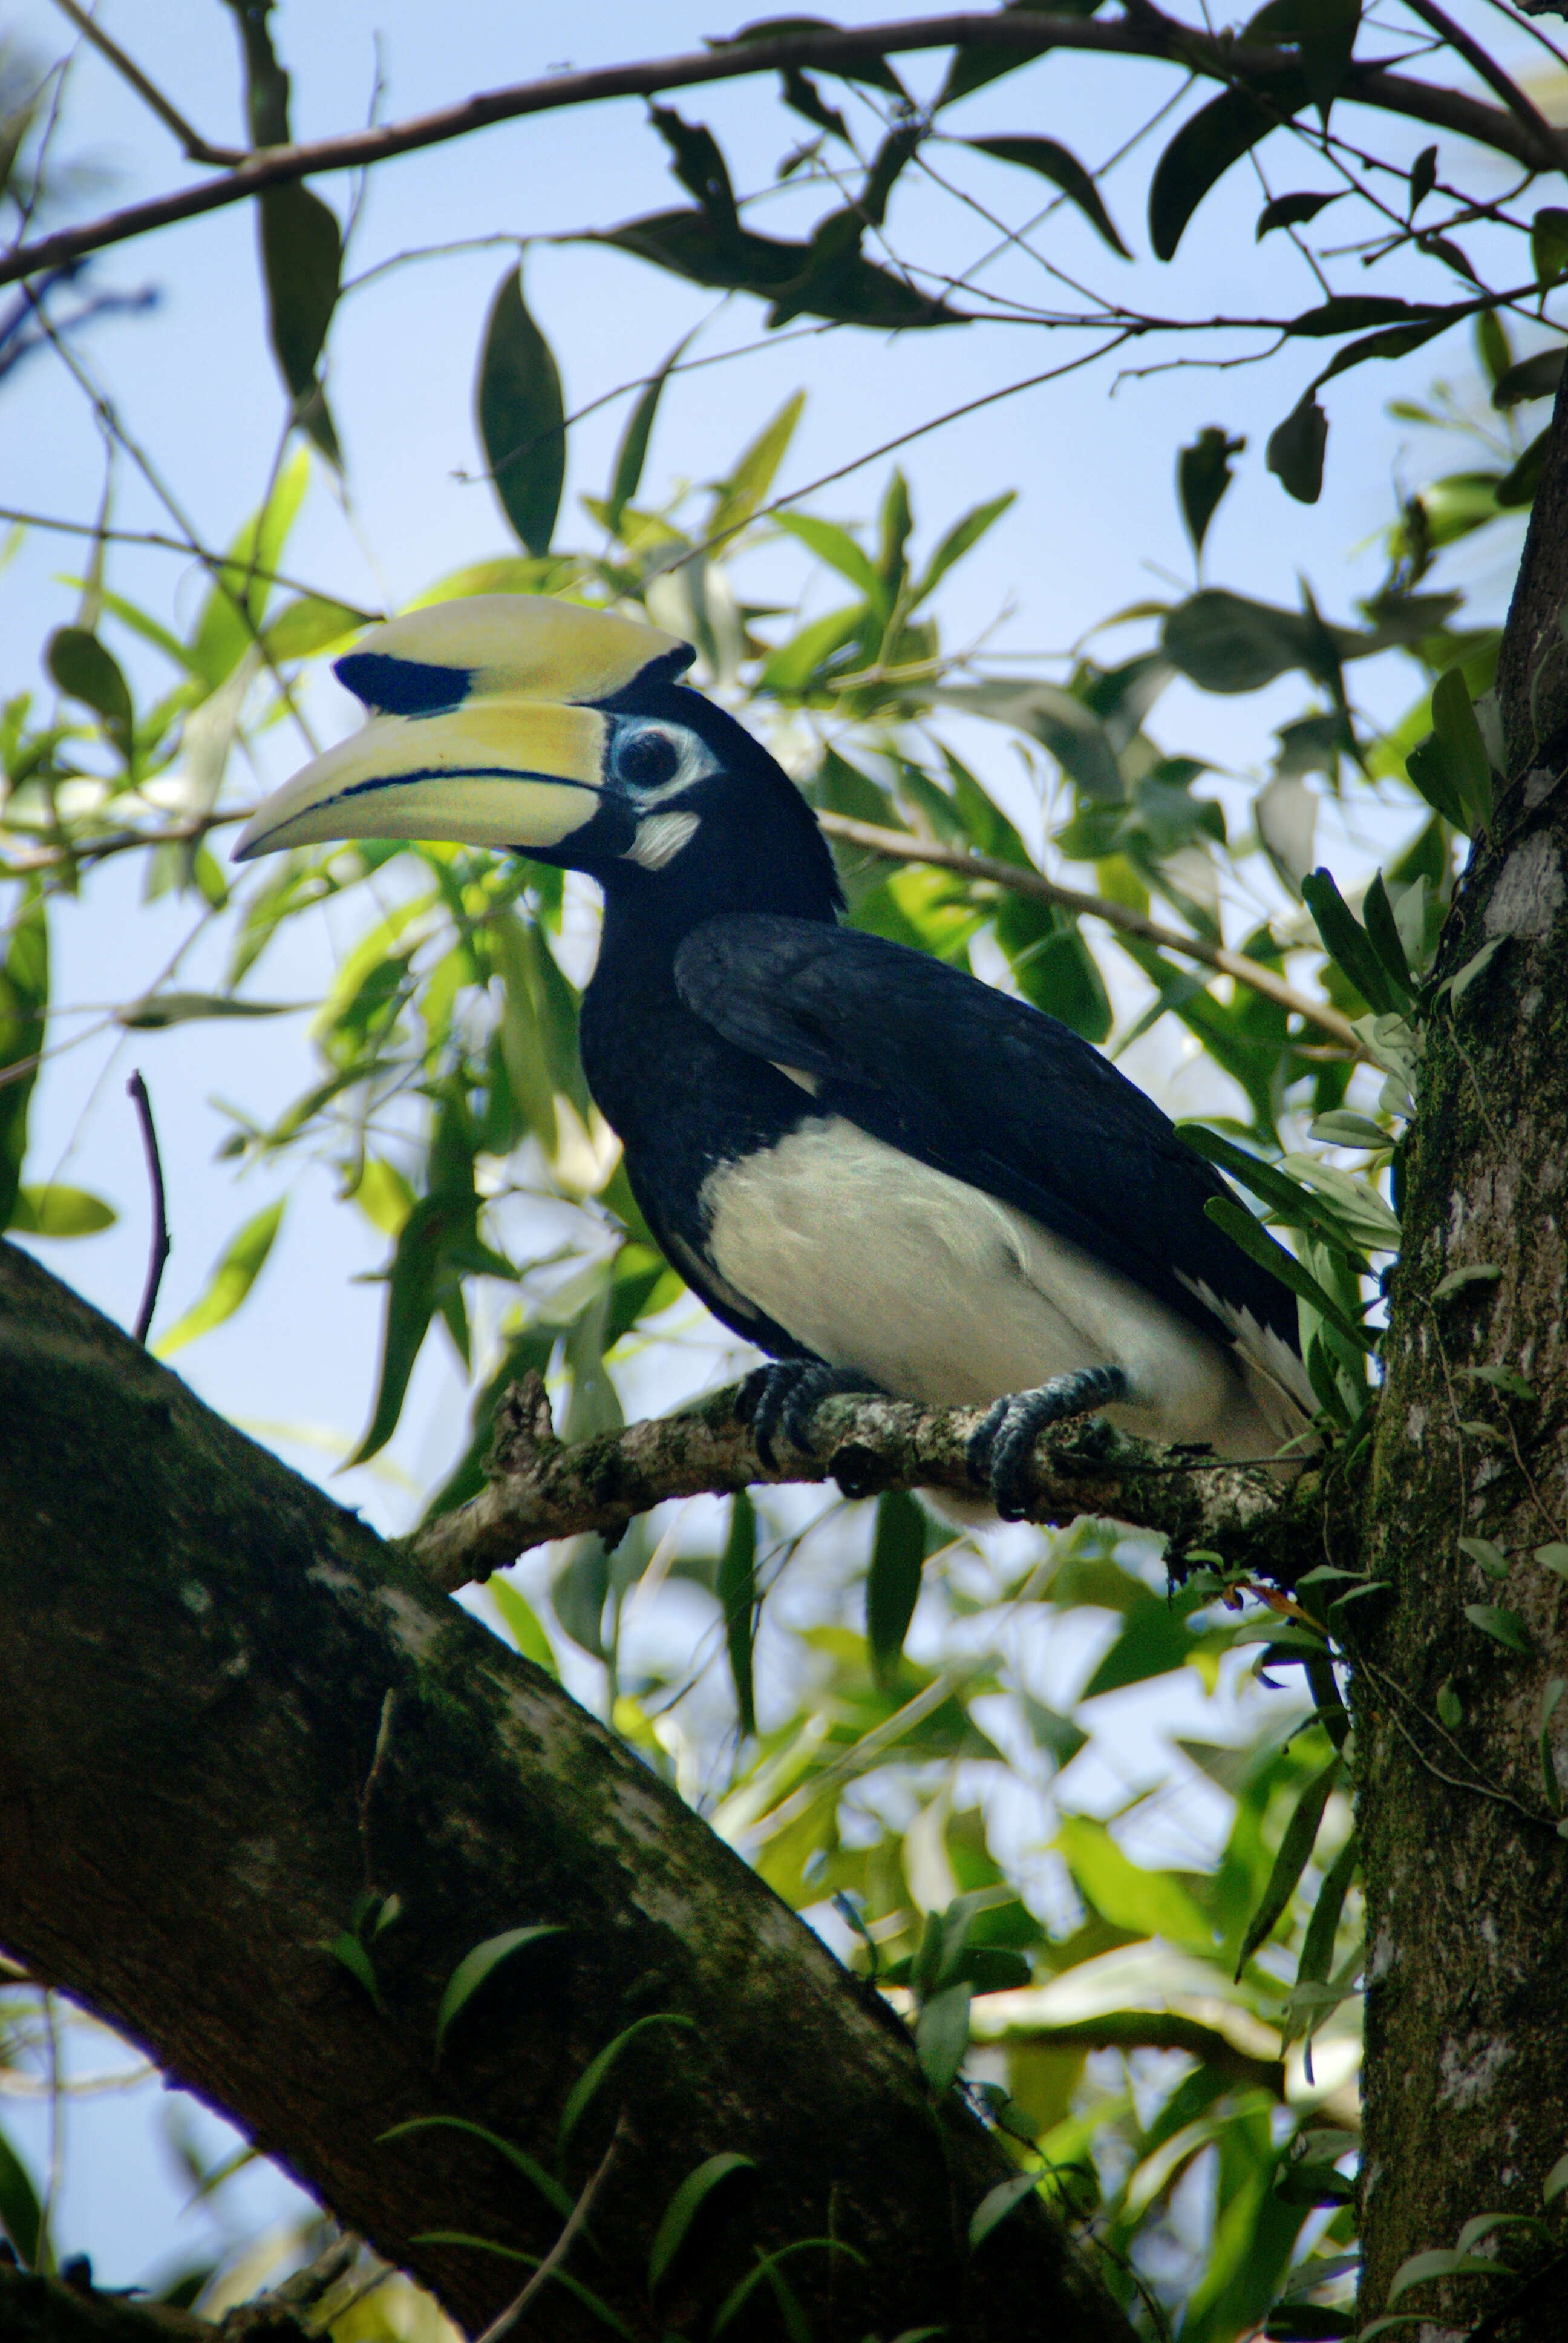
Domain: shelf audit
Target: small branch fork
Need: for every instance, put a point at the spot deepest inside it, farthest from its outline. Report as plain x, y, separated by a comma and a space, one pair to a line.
1260, 1522
1146, 33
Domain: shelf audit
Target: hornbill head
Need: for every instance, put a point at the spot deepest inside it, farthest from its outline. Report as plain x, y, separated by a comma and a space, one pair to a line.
513, 721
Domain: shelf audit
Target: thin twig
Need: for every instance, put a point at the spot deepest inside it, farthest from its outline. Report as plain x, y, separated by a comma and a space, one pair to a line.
137, 1092
373, 1783
831, 50
1481, 1787
1482, 62
198, 148
895, 846
563, 2244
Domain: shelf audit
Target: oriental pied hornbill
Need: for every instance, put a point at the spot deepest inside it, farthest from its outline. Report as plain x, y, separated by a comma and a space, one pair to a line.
883, 1172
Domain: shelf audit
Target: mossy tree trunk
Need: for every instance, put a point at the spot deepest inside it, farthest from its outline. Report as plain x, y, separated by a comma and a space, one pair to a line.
1466, 2082
228, 1713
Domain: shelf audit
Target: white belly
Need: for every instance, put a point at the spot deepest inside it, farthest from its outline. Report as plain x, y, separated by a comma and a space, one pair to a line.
935, 1291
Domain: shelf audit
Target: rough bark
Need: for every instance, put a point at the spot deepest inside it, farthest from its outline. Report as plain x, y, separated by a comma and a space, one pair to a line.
1466, 2080
227, 1711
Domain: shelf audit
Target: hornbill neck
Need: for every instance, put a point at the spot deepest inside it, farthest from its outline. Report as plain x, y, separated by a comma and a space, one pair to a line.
782, 866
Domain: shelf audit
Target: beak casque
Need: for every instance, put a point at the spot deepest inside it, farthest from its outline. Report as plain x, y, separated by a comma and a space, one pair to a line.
484, 729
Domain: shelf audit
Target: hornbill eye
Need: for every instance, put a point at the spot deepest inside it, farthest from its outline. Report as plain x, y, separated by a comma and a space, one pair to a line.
647, 758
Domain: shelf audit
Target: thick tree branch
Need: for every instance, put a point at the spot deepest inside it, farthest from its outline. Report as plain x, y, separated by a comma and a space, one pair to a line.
898, 847
183, 1615
1261, 1523
1151, 35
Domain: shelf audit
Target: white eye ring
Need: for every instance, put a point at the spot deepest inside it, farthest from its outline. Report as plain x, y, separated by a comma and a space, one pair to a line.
693, 759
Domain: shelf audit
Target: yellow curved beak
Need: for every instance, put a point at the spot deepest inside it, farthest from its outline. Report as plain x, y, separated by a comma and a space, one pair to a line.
484, 731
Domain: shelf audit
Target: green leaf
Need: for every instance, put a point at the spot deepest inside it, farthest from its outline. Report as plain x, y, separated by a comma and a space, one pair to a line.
1243, 1229
549, 2188
959, 541
1295, 1855
159, 1010
632, 453
347, 1949
839, 549
231, 616
1057, 719
851, 291
1225, 643
1532, 378
893, 1581
1340, 1127
738, 1599
1441, 2261
753, 475
521, 416
302, 261
21, 2214
580, 2097
1291, 211
996, 2205
1205, 149
1296, 449
1486, 1555
23, 1005
477, 1968
1202, 477
1555, 2182
436, 1246
1323, 33
942, 2036
1553, 1557
590, 2301
1505, 1627
1549, 244
697, 162
57, 1212
1454, 721
1377, 913
235, 1272
675, 2221
766, 2274
1517, 487
1349, 946
1063, 169
1146, 1903
85, 670
311, 624
521, 1622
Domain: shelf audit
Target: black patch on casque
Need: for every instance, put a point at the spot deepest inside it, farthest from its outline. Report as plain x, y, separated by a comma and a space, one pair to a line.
396, 687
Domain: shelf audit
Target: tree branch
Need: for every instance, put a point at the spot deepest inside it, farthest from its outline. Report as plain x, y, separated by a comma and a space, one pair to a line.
198, 148
542, 1488
1152, 36
182, 1613
899, 848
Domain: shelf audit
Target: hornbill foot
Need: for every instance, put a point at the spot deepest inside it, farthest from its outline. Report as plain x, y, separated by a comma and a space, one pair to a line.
1000, 1450
784, 1397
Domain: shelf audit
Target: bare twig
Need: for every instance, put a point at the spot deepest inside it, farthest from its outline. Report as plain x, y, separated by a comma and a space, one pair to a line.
198, 148
1255, 1516
136, 1090
1151, 35
1481, 62
896, 846
373, 1783
563, 2244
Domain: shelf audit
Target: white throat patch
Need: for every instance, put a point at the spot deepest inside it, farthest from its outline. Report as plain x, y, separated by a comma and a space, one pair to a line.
660, 839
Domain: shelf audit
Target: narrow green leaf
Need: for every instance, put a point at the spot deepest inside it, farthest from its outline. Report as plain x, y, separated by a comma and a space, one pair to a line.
752, 475
1532, 378
549, 2188
738, 1597
1553, 1557
347, 1949
1318, 1946
431, 1247
741, 2294
1243, 1229
581, 2094
838, 548
20, 2213
632, 453
942, 2036
1485, 1555
1350, 948
1549, 244
1202, 477
57, 1212
1063, 169
590, 2301
893, 1581
996, 2205
310, 624
963, 534
24, 1004
683, 2208
1454, 721
158, 1010
521, 1622
1340, 1127
521, 416
1295, 1853
233, 1276
1377, 913
1505, 1627
477, 1968
1443, 2261
1296, 447
1555, 2182
302, 261
1480, 1272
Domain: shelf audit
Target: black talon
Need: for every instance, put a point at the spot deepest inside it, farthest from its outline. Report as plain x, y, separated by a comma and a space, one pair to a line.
785, 1396
1002, 1444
